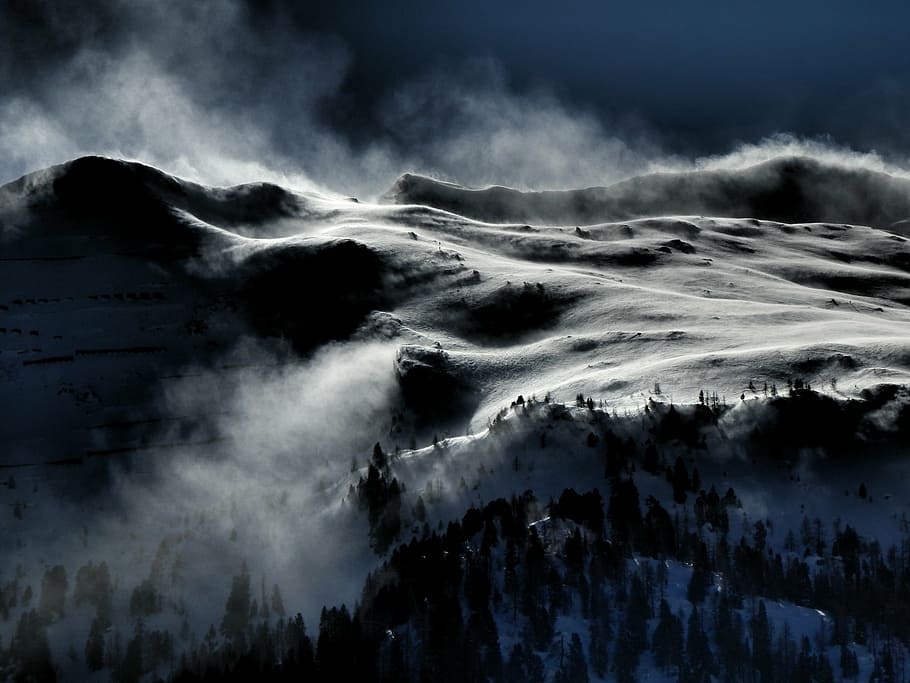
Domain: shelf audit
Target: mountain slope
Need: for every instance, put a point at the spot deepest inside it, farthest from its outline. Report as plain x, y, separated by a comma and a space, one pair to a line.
790, 190
113, 270
193, 378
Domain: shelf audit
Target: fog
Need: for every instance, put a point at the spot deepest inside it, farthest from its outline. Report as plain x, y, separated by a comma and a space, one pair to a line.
278, 476
265, 488
825, 149
220, 94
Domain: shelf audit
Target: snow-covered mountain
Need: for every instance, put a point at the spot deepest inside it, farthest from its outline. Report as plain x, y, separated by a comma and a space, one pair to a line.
787, 189
115, 276
209, 365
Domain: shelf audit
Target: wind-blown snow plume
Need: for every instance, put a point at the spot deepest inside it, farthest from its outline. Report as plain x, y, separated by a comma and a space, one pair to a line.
272, 484
159, 82
260, 482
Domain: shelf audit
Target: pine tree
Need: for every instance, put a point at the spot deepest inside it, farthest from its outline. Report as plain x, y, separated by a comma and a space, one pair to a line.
30, 650
130, 669
597, 648
574, 668
299, 648
420, 510
699, 660
380, 460
728, 627
514, 670
761, 643
276, 602
335, 648
237, 609
54, 585
849, 665
632, 638
680, 481
94, 646
144, 600
667, 642
701, 577
625, 658
638, 611
624, 511
803, 670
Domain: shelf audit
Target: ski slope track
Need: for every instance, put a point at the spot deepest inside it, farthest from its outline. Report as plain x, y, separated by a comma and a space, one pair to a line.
116, 277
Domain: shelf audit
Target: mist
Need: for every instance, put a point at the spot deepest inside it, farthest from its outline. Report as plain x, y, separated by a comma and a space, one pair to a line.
465, 124
274, 481
221, 94
263, 488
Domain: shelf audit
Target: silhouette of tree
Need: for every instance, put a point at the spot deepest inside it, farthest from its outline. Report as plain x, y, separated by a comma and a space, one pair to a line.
680, 481
667, 642
54, 585
237, 609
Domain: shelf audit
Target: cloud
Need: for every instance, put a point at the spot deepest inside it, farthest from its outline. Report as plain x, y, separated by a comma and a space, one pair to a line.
217, 94
824, 149
136, 110
470, 126
187, 88
223, 93
892, 415
266, 488
275, 480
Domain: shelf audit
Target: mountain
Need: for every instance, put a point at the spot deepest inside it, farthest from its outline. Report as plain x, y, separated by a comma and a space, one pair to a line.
787, 190
193, 379
115, 275
116, 269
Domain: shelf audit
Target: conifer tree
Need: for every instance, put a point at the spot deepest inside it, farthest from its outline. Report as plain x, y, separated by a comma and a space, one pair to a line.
761, 643
680, 480
699, 660
237, 609
667, 642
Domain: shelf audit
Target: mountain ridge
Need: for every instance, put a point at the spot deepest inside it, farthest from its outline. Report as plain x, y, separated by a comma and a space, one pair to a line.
211, 366
787, 189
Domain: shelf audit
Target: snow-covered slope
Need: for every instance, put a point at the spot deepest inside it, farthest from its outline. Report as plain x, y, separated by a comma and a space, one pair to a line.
788, 189
116, 276
263, 339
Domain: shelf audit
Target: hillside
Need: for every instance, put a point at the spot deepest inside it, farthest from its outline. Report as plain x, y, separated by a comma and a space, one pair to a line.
193, 379
112, 269
789, 190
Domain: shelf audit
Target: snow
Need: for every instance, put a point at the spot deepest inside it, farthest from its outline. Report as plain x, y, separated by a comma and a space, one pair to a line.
746, 300
100, 334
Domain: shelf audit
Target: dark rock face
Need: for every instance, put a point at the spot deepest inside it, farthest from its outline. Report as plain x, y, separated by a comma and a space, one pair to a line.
433, 388
312, 294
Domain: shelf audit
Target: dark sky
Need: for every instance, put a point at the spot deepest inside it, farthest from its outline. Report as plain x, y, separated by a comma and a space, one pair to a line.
345, 90
701, 72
